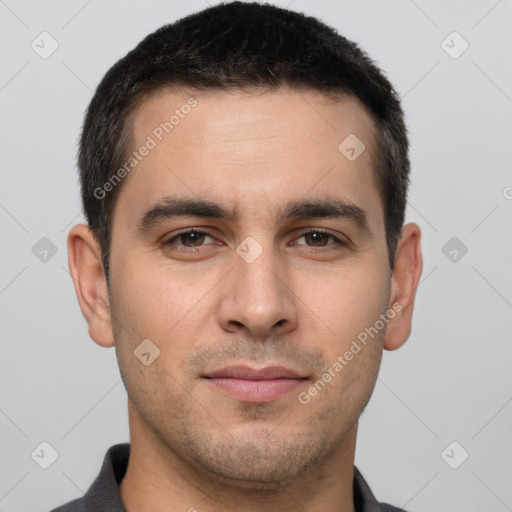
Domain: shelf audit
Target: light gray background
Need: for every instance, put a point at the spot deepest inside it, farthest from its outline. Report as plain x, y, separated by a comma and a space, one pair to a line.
450, 382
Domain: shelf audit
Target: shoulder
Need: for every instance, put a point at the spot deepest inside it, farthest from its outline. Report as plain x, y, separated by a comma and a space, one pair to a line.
103, 494
72, 506
385, 507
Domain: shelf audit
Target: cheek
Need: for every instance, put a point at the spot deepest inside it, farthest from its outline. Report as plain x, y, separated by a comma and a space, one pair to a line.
154, 304
354, 352
155, 308
344, 301
168, 306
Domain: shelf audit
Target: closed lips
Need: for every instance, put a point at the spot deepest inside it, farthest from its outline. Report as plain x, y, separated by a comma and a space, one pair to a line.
247, 373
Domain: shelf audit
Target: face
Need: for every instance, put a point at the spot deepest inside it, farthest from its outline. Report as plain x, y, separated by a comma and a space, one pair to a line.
248, 304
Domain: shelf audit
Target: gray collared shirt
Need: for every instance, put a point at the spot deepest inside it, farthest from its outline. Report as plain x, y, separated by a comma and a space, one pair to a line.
103, 494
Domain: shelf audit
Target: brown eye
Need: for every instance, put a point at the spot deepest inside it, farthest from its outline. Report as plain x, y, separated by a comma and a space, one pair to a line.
319, 238
189, 239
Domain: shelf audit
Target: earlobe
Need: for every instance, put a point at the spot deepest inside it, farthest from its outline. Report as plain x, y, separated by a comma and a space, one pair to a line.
86, 268
404, 282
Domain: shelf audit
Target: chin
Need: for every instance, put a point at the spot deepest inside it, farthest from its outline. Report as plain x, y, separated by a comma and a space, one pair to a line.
261, 462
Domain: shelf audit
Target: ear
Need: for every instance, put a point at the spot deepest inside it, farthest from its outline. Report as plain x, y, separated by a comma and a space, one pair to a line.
404, 281
87, 272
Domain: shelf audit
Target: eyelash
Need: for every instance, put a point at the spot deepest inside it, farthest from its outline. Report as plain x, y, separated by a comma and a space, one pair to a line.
171, 240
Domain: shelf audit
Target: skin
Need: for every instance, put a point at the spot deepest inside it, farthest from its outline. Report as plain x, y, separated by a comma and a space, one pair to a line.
300, 304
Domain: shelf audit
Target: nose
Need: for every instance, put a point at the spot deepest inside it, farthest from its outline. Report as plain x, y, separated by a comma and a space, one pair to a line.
258, 297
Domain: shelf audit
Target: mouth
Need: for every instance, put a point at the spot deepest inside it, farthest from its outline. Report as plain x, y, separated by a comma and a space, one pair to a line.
251, 385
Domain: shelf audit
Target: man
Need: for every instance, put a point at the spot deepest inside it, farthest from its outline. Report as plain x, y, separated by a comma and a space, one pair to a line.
244, 175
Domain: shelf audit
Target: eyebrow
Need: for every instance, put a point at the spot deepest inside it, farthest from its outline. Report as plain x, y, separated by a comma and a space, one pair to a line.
170, 207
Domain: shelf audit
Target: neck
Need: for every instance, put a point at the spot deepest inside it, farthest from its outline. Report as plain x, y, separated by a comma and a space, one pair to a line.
159, 480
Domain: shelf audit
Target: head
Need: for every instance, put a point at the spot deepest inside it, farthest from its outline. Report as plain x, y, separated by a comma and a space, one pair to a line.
283, 146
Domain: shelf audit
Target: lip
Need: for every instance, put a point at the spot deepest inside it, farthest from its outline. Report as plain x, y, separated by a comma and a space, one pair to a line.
248, 373
255, 385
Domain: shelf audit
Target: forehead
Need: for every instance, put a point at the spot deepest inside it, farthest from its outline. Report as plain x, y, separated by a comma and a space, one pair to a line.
254, 152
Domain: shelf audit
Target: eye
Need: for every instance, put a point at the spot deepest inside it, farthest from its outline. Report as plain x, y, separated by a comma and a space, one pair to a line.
318, 237
194, 237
